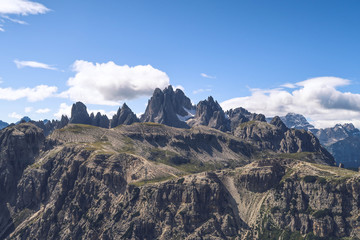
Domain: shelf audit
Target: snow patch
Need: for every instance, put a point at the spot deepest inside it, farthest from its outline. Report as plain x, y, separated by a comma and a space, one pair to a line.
191, 114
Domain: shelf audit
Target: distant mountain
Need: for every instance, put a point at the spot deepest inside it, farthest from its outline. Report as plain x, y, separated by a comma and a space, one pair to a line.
297, 121
346, 151
328, 136
24, 119
342, 140
3, 124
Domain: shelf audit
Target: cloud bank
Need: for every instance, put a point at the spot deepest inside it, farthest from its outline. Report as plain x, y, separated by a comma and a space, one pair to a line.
108, 83
318, 99
37, 93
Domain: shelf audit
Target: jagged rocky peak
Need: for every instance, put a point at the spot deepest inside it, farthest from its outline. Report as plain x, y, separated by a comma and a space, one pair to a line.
240, 115
276, 121
328, 136
124, 116
99, 120
79, 114
168, 107
209, 113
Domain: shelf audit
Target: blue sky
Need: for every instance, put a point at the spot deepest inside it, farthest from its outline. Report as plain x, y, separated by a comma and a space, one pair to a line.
240, 52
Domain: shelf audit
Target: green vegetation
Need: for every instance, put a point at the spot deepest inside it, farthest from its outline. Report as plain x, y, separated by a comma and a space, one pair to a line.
287, 175
128, 146
76, 128
269, 231
335, 174
152, 181
303, 156
152, 124
175, 160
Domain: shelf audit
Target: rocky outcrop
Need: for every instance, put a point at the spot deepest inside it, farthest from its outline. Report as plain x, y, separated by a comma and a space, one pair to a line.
79, 114
49, 126
124, 116
278, 138
99, 120
209, 113
241, 115
168, 107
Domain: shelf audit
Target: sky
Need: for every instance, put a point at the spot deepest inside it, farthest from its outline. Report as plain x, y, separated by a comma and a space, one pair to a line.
270, 57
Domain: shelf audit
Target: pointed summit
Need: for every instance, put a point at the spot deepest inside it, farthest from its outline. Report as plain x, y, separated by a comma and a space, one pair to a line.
99, 120
79, 114
169, 108
240, 115
209, 113
276, 121
124, 116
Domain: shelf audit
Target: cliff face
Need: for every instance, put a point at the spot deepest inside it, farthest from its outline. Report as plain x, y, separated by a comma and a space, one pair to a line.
150, 181
275, 136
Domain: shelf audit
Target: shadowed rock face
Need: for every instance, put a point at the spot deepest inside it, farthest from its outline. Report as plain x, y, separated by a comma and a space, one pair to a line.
166, 106
99, 120
124, 116
79, 114
209, 113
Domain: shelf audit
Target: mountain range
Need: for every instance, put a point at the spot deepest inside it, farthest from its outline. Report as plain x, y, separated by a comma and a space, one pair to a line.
179, 172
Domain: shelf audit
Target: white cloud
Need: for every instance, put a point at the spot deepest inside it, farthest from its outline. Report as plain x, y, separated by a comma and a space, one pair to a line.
33, 64
179, 87
43, 110
21, 7
64, 109
201, 90
14, 20
15, 115
37, 93
289, 85
316, 98
28, 109
108, 83
207, 76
